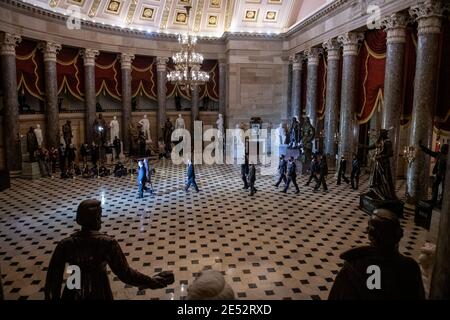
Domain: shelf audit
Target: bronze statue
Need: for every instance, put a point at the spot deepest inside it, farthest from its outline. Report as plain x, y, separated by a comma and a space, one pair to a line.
100, 128
294, 134
67, 133
134, 138
308, 134
168, 129
381, 182
92, 251
32, 143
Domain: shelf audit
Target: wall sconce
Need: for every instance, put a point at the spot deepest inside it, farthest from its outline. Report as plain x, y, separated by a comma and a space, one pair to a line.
337, 138
410, 154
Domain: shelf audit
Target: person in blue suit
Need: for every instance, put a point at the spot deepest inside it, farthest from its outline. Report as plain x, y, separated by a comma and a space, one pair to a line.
191, 177
142, 178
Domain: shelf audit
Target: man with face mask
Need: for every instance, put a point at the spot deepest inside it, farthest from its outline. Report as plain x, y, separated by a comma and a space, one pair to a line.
92, 251
282, 169
399, 276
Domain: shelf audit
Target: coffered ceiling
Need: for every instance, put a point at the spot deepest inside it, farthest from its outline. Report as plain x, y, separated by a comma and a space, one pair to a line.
208, 17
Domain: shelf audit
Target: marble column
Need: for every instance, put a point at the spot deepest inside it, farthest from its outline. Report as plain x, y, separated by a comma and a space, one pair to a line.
429, 15
296, 85
350, 42
125, 65
89, 91
332, 99
222, 88
194, 108
395, 27
162, 93
440, 280
50, 50
312, 97
10, 103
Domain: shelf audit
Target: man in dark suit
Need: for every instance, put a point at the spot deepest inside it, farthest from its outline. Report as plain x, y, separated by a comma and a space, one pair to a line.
356, 172
142, 179
292, 176
191, 177
282, 169
439, 169
252, 179
323, 172
314, 170
342, 171
244, 172
62, 160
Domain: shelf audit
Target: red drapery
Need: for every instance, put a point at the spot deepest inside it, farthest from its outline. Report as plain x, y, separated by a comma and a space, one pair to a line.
322, 87
70, 72
372, 64
211, 89
108, 75
143, 77
30, 69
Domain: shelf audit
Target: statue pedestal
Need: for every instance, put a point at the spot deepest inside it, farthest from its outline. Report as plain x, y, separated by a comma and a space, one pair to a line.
368, 202
282, 149
30, 170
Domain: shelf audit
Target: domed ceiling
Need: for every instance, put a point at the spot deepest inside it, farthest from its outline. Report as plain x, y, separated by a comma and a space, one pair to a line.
208, 17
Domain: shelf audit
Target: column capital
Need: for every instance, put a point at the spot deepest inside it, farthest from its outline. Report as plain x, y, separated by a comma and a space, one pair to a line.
222, 63
89, 56
350, 42
50, 50
429, 14
9, 43
395, 27
313, 55
333, 49
161, 64
296, 61
125, 60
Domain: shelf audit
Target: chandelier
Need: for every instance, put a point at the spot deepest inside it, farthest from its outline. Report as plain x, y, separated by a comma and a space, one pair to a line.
187, 73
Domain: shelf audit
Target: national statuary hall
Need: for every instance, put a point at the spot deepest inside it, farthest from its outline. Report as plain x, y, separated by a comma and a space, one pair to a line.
232, 150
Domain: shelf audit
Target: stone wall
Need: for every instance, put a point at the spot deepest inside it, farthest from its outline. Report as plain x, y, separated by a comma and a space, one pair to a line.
257, 81
2, 146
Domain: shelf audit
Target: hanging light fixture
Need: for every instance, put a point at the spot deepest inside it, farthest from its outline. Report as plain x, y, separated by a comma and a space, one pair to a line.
187, 74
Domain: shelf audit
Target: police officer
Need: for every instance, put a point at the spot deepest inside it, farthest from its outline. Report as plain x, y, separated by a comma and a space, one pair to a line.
323, 172
244, 172
291, 176
191, 177
314, 170
282, 169
252, 179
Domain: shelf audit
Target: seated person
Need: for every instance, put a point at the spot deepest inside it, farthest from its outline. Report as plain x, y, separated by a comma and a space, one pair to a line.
104, 172
86, 172
77, 170
120, 170
94, 172
400, 277
92, 251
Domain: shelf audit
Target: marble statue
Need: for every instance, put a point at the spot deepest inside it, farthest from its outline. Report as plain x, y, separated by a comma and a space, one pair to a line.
67, 133
281, 135
145, 127
179, 124
220, 125
38, 133
114, 129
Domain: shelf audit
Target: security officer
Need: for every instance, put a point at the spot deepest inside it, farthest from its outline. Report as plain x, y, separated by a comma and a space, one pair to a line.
292, 176
282, 169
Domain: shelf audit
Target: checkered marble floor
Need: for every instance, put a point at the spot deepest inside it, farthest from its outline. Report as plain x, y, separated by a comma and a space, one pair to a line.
270, 246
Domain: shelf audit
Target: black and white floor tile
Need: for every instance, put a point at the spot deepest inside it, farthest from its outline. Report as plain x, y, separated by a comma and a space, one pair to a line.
270, 246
